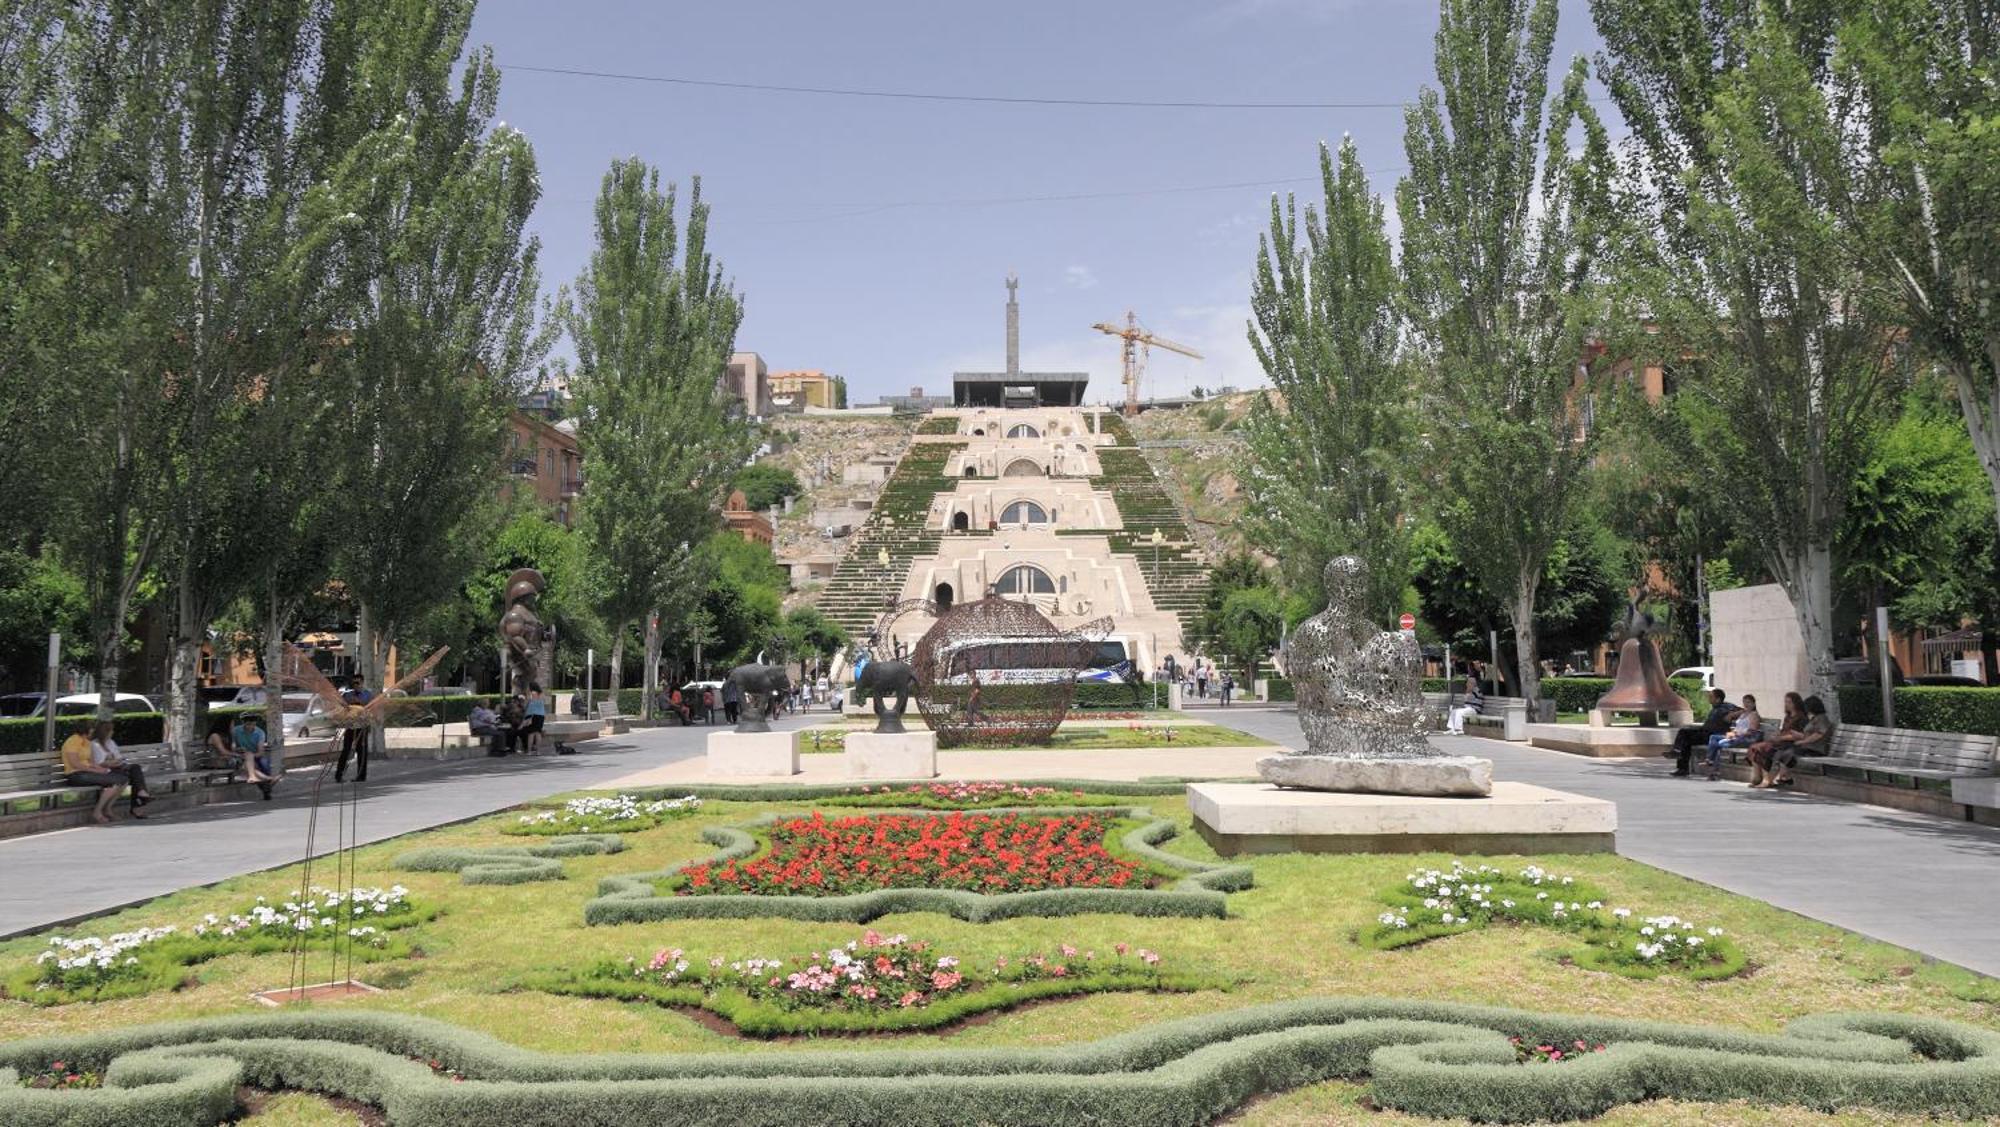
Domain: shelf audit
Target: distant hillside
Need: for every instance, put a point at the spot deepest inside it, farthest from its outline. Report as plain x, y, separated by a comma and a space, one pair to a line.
1200, 453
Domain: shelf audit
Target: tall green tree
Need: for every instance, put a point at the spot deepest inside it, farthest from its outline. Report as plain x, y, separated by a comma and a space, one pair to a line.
437, 284
1328, 459
1928, 72
1741, 121
1507, 218
653, 322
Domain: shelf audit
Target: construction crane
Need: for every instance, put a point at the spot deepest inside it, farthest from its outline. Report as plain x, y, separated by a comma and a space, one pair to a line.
1139, 342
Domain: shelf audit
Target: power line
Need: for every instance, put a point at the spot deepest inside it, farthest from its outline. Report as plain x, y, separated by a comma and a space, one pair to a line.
924, 96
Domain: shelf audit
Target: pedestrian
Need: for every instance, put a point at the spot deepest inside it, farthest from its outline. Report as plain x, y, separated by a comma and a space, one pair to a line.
1720, 713
708, 705
534, 714
513, 714
355, 741
732, 701
94, 762
1228, 686
1201, 681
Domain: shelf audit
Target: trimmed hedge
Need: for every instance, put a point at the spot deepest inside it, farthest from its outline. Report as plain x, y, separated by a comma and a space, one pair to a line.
1929, 708
1442, 1059
507, 864
1579, 694
23, 735
1282, 689
637, 897
812, 792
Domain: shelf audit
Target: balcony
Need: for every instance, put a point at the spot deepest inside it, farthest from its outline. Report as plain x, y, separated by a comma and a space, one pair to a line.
522, 467
572, 486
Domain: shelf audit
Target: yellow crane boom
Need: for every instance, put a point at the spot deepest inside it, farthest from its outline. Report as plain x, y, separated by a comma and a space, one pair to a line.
1138, 341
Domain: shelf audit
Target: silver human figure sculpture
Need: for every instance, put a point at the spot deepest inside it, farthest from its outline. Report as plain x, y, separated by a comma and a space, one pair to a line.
1361, 706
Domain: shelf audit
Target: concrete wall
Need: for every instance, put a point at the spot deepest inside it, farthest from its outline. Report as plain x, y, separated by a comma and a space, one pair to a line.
1758, 647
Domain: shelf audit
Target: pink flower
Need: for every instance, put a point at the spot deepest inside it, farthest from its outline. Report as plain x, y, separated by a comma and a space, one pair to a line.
1120, 948
945, 979
1152, 960
911, 999
1068, 951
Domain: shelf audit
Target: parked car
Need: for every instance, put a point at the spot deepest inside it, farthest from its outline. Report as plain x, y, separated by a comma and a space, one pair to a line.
231, 696
1705, 672
305, 717
83, 704
1861, 671
1951, 680
16, 705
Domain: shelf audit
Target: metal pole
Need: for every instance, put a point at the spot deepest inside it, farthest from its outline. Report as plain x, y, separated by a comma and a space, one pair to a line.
1493, 662
49, 701
589, 683
1450, 686
1882, 667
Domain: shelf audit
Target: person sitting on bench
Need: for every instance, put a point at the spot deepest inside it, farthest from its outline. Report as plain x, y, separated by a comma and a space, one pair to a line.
93, 761
248, 743
485, 723
1745, 728
1720, 713
1817, 739
1474, 701
1790, 728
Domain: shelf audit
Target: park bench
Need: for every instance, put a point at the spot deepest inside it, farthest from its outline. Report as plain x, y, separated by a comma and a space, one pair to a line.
606, 713
1508, 715
561, 733
1901, 767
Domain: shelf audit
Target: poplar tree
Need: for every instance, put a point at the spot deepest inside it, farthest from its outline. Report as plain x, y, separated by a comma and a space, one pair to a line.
1505, 230
1328, 457
1741, 121
653, 322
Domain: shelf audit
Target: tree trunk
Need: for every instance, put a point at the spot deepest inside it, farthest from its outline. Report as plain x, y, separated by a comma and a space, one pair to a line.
274, 686
371, 660
1521, 609
615, 676
652, 676
1979, 400
1811, 589
190, 628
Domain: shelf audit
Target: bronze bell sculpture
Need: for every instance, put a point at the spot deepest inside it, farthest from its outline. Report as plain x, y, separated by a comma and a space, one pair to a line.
1641, 683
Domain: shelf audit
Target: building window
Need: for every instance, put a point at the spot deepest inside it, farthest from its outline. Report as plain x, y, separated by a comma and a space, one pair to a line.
1023, 430
1024, 579
1024, 512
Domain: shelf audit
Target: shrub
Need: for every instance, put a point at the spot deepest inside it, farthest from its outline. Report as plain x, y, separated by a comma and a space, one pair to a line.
23, 736
877, 983
965, 795
1930, 708
1442, 1059
1434, 903
1199, 892
507, 864
1282, 689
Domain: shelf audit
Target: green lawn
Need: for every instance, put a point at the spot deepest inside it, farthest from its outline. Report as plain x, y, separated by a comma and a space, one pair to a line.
1194, 734
1292, 935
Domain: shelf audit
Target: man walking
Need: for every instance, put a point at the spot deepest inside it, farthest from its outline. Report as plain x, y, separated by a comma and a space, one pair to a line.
732, 701
1720, 713
354, 741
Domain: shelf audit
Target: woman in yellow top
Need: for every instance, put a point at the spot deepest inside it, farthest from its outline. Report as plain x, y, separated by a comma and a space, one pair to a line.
95, 762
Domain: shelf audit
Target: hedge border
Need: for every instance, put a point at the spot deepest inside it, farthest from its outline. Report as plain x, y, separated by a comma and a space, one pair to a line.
507, 864
1442, 1059
1202, 893
809, 792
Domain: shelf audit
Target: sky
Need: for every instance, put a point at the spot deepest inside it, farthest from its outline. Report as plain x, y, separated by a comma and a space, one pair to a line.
871, 237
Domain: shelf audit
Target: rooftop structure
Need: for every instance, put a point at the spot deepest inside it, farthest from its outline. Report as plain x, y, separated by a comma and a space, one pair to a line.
1014, 387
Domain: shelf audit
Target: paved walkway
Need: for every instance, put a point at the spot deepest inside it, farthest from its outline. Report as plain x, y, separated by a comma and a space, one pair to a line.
1920, 882
1910, 879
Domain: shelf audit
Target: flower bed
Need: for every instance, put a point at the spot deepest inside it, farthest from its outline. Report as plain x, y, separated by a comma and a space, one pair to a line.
877, 983
1006, 851
616, 814
95, 968
1433, 903
967, 795
1126, 836
61, 1076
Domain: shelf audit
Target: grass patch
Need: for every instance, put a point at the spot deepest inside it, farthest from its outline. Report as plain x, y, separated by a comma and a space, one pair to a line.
1287, 937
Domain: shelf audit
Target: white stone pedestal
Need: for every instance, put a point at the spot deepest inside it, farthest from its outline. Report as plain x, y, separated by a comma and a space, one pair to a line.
1239, 818
891, 755
1174, 696
1603, 741
753, 755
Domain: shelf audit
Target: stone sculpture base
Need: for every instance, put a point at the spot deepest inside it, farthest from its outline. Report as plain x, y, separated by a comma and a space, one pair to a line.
753, 754
1250, 818
1434, 776
886, 755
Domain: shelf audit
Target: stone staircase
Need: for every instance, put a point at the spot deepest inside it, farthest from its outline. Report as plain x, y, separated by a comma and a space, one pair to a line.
861, 586
1176, 572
